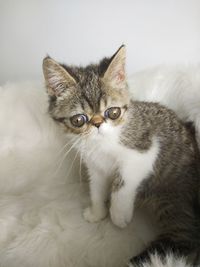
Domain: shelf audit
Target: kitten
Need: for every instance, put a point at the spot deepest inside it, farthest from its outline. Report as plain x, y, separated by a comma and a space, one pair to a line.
141, 150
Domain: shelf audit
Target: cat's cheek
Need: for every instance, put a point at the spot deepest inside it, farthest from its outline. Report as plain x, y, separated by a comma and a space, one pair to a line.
93, 132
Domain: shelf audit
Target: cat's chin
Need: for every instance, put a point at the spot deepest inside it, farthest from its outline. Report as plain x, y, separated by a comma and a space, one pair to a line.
106, 132
101, 132
106, 129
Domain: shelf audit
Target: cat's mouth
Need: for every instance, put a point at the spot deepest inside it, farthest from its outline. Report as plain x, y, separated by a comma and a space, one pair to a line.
103, 131
97, 131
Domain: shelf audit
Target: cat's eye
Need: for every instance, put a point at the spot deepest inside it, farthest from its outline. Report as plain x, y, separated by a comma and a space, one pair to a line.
113, 113
79, 120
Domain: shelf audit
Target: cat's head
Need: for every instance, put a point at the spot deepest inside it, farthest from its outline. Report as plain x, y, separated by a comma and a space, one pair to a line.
88, 101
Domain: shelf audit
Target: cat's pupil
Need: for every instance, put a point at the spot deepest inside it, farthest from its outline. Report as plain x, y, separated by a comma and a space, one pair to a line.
113, 113
79, 120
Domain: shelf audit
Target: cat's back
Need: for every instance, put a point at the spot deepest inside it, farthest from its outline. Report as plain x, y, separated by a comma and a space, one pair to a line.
154, 114
178, 160
147, 120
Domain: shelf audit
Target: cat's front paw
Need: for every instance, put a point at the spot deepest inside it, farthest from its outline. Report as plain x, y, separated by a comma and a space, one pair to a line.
93, 215
120, 215
120, 220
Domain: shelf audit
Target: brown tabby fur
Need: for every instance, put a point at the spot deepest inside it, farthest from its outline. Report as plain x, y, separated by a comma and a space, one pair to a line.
171, 193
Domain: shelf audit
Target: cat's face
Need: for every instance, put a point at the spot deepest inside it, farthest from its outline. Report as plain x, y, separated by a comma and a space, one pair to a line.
88, 102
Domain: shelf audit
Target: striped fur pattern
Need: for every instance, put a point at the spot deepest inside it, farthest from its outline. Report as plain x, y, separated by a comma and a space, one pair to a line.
148, 147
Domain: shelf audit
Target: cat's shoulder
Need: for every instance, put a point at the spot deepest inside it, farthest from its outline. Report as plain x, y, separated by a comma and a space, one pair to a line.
154, 111
145, 106
156, 118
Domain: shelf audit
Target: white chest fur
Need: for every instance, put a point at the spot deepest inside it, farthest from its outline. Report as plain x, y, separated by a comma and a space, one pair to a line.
106, 156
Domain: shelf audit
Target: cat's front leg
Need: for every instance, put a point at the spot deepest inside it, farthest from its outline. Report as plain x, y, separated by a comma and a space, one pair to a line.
122, 200
99, 188
135, 166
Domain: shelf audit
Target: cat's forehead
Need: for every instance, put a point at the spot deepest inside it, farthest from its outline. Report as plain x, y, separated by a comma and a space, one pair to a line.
104, 103
87, 96
91, 91
91, 94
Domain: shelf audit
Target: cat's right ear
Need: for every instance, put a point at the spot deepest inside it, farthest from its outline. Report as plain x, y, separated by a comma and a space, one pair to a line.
115, 74
56, 77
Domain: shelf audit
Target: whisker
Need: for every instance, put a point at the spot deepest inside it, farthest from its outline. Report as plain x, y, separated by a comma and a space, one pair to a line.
81, 156
66, 153
80, 167
72, 163
77, 139
71, 140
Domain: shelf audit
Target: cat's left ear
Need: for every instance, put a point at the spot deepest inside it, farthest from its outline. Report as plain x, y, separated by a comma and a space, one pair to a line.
115, 74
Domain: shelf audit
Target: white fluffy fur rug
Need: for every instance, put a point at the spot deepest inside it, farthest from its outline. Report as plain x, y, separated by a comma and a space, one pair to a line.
42, 196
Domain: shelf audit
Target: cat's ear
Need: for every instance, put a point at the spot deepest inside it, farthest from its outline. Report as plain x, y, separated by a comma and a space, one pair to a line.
57, 78
115, 74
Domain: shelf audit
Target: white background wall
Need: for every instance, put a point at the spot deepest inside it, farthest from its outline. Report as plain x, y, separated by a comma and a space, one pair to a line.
81, 31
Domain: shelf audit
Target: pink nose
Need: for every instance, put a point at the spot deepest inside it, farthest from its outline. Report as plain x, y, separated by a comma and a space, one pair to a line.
97, 120
97, 124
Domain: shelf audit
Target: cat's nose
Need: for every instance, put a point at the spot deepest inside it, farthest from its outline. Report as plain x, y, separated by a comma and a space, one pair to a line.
97, 120
97, 125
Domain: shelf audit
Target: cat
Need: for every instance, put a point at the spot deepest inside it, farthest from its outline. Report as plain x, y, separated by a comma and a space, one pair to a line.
177, 87
141, 152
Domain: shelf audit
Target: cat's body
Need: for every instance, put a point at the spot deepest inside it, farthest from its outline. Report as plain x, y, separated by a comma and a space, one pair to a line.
111, 155
142, 151
176, 87
150, 162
